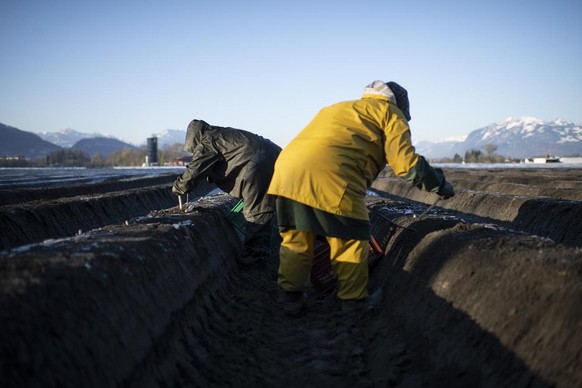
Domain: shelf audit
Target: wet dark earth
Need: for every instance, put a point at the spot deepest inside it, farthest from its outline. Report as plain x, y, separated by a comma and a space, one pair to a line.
119, 287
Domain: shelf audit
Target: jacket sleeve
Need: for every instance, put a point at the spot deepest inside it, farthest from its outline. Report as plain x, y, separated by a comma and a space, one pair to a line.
425, 177
203, 159
400, 153
405, 162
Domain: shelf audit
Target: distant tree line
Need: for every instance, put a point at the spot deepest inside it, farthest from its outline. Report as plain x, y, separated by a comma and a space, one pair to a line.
78, 158
477, 156
169, 154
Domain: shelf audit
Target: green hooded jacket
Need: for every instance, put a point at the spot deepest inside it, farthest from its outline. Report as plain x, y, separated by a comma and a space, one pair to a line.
237, 161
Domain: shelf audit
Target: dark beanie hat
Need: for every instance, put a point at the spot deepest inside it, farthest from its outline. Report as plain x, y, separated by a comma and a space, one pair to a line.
401, 98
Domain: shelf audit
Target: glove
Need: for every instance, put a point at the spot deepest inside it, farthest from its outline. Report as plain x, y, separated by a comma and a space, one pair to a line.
176, 189
446, 190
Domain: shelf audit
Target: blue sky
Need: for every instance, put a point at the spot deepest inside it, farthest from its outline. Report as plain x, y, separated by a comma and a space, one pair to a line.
136, 68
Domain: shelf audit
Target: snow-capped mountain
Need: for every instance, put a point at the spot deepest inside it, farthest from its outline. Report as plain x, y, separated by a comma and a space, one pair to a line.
439, 150
66, 138
170, 137
516, 138
530, 135
519, 138
16, 142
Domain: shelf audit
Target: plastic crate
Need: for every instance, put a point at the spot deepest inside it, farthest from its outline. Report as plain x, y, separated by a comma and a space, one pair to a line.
235, 215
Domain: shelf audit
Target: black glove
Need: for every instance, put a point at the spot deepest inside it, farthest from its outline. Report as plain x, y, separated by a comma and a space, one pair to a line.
446, 190
177, 189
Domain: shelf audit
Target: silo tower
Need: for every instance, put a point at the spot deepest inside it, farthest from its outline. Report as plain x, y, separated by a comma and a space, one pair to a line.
152, 155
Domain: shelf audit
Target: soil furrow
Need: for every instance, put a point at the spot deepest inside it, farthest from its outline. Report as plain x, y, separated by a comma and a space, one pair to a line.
482, 290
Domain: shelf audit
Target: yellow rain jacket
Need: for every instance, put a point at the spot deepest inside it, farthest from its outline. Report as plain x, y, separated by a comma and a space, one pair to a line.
331, 162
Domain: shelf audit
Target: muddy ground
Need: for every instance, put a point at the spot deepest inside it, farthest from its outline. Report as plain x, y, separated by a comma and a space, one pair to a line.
485, 289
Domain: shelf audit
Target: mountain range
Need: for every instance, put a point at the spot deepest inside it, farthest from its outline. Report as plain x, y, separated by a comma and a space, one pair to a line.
66, 138
15, 142
516, 138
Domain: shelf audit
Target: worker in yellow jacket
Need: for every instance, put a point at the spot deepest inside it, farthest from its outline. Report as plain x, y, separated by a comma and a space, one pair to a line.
320, 182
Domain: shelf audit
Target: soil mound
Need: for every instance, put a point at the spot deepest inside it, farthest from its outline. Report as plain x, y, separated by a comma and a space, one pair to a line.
475, 294
43, 213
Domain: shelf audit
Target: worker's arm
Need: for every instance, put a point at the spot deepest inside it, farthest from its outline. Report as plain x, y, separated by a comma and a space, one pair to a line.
405, 162
424, 176
428, 178
203, 159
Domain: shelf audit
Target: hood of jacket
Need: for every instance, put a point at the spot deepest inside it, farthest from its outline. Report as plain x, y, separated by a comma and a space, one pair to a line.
194, 133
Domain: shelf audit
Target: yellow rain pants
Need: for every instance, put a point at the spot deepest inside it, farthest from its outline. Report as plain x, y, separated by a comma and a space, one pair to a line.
349, 260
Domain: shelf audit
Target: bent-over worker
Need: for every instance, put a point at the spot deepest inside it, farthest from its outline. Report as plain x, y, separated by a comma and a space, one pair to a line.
320, 183
240, 163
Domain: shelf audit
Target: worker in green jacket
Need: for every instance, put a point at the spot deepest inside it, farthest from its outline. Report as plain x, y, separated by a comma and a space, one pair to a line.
320, 183
240, 163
